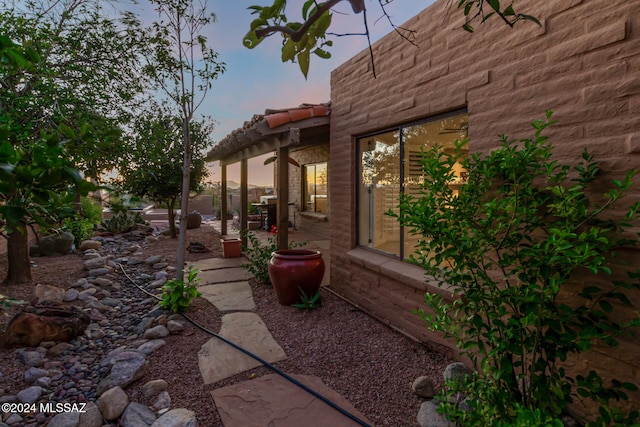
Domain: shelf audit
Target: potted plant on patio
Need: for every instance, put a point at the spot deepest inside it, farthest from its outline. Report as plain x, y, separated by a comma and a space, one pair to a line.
293, 271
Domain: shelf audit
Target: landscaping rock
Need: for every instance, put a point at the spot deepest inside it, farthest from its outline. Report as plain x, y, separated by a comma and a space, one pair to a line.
175, 327
66, 419
156, 332
163, 401
91, 417
89, 244
137, 415
37, 324
56, 244
428, 415
177, 418
30, 394
112, 403
153, 259
70, 295
151, 346
423, 387
30, 358
456, 370
33, 373
59, 349
47, 293
95, 263
154, 388
127, 367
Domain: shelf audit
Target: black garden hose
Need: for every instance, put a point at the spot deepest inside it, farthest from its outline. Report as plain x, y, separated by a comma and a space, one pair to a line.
260, 360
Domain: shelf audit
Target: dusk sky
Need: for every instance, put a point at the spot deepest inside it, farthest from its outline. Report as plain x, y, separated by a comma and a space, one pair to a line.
257, 79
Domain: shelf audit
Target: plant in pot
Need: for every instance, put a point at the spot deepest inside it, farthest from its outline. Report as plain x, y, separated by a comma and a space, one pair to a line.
295, 271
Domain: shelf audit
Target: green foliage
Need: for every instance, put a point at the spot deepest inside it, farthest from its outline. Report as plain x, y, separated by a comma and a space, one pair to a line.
81, 224
301, 39
156, 151
121, 222
56, 118
6, 303
477, 10
308, 302
519, 233
259, 255
177, 294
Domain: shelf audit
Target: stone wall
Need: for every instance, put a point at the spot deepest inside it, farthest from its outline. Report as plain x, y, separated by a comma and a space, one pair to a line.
582, 62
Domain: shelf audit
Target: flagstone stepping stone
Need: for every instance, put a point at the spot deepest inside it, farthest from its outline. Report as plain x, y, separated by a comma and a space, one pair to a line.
272, 400
235, 296
218, 360
224, 275
216, 263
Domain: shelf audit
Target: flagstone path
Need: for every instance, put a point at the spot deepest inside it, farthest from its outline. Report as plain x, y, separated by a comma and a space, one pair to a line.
270, 400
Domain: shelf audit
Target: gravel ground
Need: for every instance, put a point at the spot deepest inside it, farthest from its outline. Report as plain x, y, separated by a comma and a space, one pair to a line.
369, 364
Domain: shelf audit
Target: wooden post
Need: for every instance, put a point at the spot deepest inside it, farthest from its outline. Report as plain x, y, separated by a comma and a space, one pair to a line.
223, 200
283, 198
244, 199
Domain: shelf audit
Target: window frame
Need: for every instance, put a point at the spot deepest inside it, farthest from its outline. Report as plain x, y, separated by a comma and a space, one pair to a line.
359, 170
305, 186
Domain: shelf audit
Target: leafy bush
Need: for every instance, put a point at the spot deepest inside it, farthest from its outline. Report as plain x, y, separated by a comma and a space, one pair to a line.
121, 222
259, 255
177, 294
81, 224
509, 243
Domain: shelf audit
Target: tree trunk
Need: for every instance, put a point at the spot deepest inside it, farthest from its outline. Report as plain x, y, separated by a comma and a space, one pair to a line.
184, 201
172, 218
18, 257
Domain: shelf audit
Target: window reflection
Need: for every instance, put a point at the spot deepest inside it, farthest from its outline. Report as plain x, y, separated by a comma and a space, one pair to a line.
390, 163
315, 187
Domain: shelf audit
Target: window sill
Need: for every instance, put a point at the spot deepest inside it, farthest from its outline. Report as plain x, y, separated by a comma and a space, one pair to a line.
393, 268
315, 215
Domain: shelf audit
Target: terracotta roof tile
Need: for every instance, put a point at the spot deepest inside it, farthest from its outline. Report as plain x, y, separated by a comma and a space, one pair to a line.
277, 118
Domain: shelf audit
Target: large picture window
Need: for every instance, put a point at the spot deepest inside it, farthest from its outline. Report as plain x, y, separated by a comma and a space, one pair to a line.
390, 164
315, 187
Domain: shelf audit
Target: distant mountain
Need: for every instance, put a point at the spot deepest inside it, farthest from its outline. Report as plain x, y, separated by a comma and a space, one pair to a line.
234, 185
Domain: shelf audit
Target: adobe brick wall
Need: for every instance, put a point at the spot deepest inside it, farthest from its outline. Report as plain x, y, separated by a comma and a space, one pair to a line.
583, 63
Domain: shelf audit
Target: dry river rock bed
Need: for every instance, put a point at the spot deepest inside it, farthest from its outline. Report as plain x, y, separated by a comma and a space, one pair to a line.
365, 361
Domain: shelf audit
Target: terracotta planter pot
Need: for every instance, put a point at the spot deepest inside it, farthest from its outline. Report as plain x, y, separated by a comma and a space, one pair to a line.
293, 269
231, 248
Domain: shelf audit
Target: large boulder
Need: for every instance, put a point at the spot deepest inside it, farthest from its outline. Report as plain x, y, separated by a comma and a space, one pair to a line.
55, 244
38, 324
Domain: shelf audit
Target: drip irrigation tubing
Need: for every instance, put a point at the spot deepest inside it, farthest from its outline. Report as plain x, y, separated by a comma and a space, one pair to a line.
259, 359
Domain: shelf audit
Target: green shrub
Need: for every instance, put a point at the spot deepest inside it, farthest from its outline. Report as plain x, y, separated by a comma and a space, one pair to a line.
508, 243
81, 224
177, 294
259, 255
121, 222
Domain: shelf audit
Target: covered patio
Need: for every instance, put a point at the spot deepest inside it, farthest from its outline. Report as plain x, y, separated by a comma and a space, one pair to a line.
275, 131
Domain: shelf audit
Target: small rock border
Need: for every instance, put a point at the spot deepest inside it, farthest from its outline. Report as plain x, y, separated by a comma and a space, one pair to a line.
82, 383
428, 416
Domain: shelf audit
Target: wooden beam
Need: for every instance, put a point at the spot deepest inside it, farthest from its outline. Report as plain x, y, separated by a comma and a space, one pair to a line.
283, 198
266, 145
223, 200
244, 199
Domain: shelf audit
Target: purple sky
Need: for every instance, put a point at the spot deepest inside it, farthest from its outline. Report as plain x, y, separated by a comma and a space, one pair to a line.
257, 79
